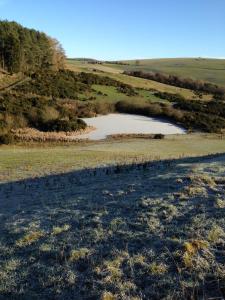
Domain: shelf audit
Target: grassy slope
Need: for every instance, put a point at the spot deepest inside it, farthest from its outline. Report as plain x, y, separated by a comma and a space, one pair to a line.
83, 66
149, 84
147, 233
115, 72
114, 96
20, 162
212, 70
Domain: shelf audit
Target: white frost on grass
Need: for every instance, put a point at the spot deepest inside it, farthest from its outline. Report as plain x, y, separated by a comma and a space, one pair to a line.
128, 124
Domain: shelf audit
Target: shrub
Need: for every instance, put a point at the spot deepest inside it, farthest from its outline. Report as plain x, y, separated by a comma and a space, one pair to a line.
49, 113
103, 108
169, 96
63, 125
126, 89
159, 136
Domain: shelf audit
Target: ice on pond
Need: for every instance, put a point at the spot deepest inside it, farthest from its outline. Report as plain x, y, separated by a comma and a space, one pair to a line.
128, 124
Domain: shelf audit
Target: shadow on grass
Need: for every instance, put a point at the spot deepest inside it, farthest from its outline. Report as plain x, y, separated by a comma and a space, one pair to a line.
76, 235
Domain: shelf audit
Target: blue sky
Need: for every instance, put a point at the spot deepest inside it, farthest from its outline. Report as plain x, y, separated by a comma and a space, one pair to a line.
126, 29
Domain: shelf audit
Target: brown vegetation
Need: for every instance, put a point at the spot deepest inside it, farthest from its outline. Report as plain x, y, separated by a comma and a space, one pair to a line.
34, 135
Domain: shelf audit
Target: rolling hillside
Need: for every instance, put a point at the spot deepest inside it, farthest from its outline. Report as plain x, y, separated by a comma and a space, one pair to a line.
211, 70
115, 71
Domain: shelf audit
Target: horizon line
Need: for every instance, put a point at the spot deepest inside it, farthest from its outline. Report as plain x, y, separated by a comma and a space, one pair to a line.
152, 58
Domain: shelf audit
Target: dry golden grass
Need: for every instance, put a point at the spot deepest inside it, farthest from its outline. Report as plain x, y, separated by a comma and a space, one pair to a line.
59, 229
29, 238
31, 134
78, 254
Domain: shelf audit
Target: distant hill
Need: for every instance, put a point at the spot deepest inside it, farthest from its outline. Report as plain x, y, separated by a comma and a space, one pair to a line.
83, 59
211, 70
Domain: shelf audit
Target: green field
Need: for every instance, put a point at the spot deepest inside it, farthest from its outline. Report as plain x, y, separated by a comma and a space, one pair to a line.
149, 84
211, 70
115, 71
19, 162
110, 94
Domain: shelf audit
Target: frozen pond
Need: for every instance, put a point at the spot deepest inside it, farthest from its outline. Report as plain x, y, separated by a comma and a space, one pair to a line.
128, 124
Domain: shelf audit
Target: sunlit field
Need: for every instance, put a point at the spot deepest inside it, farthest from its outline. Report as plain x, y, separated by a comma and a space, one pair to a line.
21, 161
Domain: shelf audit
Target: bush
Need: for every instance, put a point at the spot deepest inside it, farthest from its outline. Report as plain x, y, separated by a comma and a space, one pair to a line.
49, 113
17, 111
126, 89
159, 136
63, 125
170, 97
103, 108
150, 110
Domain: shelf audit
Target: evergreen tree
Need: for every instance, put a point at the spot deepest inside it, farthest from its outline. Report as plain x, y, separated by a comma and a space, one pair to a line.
28, 50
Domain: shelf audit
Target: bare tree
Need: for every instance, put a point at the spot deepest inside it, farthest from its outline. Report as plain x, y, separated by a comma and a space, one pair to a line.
58, 54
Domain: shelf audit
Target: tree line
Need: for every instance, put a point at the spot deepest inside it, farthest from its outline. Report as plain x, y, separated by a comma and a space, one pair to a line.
27, 50
187, 83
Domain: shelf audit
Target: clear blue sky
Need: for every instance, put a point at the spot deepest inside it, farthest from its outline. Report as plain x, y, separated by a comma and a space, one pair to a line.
126, 29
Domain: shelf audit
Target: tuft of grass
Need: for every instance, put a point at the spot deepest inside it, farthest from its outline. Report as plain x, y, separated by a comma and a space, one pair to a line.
77, 254
112, 268
57, 229
157, 268
71, 277
153, 224
215, 234
29, 238
203, 179
45, 247
139, 259
12, 265
191, 248
8, 275
220, 203
108, 296
182, 196
116, 223
193, 191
